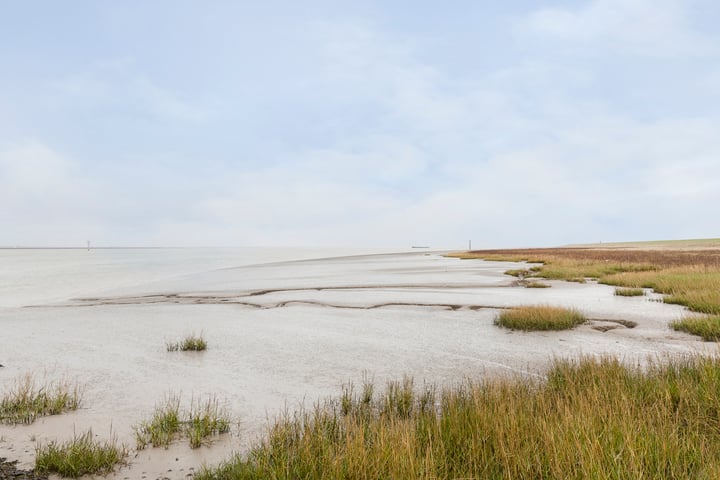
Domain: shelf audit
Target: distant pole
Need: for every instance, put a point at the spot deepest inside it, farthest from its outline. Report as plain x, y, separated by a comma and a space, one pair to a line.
88, 242
469, 245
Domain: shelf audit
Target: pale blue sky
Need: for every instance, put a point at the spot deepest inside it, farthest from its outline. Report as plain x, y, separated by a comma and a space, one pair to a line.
358, 123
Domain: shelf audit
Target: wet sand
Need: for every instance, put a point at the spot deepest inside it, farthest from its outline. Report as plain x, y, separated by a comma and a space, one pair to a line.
284, 333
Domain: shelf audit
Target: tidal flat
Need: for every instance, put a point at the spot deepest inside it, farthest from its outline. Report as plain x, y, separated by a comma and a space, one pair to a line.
284, 329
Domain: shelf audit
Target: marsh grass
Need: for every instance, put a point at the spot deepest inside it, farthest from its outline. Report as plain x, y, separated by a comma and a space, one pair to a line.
690, 278
206, 419
589, 418
191, 343
168, 423
163, 427
80, 456
629, 292
29, 399
540, 317
707, 327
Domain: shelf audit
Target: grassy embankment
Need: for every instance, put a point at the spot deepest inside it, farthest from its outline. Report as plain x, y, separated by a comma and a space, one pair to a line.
590, 418
685, 277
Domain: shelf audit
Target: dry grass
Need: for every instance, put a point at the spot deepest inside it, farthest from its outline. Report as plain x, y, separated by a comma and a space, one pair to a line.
591, 418
540, 317
29, 399
691, 244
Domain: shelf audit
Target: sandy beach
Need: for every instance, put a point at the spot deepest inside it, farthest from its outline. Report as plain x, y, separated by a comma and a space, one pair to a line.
285, 330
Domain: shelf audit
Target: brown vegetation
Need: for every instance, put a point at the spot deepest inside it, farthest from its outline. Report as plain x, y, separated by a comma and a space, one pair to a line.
658, 258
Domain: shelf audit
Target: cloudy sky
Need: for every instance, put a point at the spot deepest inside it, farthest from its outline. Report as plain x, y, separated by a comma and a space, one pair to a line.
379, 123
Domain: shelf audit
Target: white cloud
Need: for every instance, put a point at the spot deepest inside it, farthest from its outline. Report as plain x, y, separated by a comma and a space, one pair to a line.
512, 156
647, 27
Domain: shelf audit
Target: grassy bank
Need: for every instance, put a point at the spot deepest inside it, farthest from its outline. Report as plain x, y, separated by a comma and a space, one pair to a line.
592, 418
685, 277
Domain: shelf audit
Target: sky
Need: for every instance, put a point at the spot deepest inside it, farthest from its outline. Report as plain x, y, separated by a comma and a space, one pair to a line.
370, 123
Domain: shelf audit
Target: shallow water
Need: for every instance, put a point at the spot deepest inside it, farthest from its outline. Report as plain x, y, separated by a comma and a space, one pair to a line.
282, 329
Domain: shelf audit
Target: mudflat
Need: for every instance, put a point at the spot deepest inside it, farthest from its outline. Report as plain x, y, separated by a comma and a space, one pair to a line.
280, 333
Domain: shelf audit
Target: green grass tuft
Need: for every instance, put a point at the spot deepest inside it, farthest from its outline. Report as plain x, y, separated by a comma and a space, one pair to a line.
206, 419
707, 327
540, 317
191, 343
164, 426
169, 423
80, 456
27, 399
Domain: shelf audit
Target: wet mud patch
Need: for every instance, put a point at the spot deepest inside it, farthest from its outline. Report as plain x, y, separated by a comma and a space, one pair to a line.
606, 324
9, 470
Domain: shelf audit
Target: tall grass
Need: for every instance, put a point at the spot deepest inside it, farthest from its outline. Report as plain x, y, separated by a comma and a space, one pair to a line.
168, 423
29, 399
591, 418
80, 456
540, 317
697, 288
